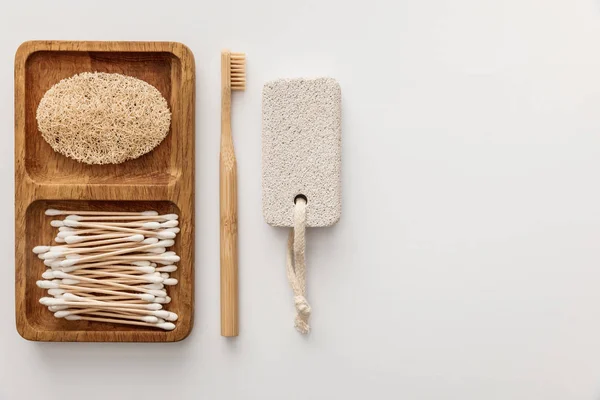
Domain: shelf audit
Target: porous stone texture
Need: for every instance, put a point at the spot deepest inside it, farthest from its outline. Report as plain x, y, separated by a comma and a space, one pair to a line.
301, 150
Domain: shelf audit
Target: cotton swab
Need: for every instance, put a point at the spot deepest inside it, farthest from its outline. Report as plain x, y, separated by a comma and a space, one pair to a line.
166, 217
63, 275
159, 234
111, 267
54, 212
90, 311
52, 285
162, 259
168, 326
48, 301
81, 241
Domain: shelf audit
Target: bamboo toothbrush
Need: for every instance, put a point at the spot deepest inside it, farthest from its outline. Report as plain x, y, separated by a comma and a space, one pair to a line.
233, 77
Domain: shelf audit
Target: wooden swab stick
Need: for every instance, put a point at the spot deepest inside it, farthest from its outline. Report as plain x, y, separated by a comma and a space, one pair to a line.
140, 278
76, 241
161, 234
48, 301
92, 234
52, 285
168, 326
166, 217
150, 224
168, 315
53, 212
157, 293
165, 260
80, 250
112, 254
94, 312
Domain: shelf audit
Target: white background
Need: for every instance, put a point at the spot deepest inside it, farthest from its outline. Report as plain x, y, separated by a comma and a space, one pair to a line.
466, 262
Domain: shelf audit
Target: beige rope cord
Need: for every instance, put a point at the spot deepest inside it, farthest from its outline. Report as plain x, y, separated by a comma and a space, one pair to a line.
101, 118
296, 266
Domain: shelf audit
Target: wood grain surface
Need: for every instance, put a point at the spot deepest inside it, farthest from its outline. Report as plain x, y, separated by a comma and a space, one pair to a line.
162, 180
228, 209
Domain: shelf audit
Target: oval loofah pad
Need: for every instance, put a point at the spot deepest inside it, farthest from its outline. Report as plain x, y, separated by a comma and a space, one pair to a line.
101, 118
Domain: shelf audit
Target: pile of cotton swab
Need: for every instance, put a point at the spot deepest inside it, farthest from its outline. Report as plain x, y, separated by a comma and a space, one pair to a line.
111, 267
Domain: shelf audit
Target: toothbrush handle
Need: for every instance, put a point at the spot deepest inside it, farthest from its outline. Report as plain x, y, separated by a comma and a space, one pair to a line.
229, 228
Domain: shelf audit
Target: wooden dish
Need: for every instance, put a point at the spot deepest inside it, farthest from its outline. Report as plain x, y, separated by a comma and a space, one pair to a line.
162, 180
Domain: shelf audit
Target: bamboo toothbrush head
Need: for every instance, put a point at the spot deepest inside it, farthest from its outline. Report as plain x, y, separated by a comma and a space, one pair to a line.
237, 70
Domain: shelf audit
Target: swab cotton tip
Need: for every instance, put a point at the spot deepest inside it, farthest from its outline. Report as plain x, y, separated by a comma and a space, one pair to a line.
64, 234
167, 326
52, 212
68, 263
57, 308
73, 317
147, 297
149, 319
161, 314
73, 256
70, 239
170, 224
166, 234
62, 314
171, 259
157, 293
170, 217
69, 222
41, 249
56, 223
154, 286
70, 281
174, 230
167, 299
60, 274
135, 238
151, 225
47, 285
150, 241
146, 270
73, 217
141, 263
150, 213
44, 300
172, 316
167, 268
65, 228
152, 278
166, 243
51, 255
59, 240
72, 297
49, 301
156, 250
49, 274
56, 292
170, 281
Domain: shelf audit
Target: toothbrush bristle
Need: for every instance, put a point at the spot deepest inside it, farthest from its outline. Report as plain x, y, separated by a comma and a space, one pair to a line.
237, 70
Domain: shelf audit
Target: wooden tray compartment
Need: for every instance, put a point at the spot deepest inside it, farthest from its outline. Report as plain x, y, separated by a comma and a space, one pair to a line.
162, 180
38, 230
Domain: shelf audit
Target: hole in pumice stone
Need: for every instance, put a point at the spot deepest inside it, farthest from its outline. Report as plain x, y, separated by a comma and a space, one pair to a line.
300, 196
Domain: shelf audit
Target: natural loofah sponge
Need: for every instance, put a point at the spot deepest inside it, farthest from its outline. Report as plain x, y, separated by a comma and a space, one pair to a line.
100, 118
